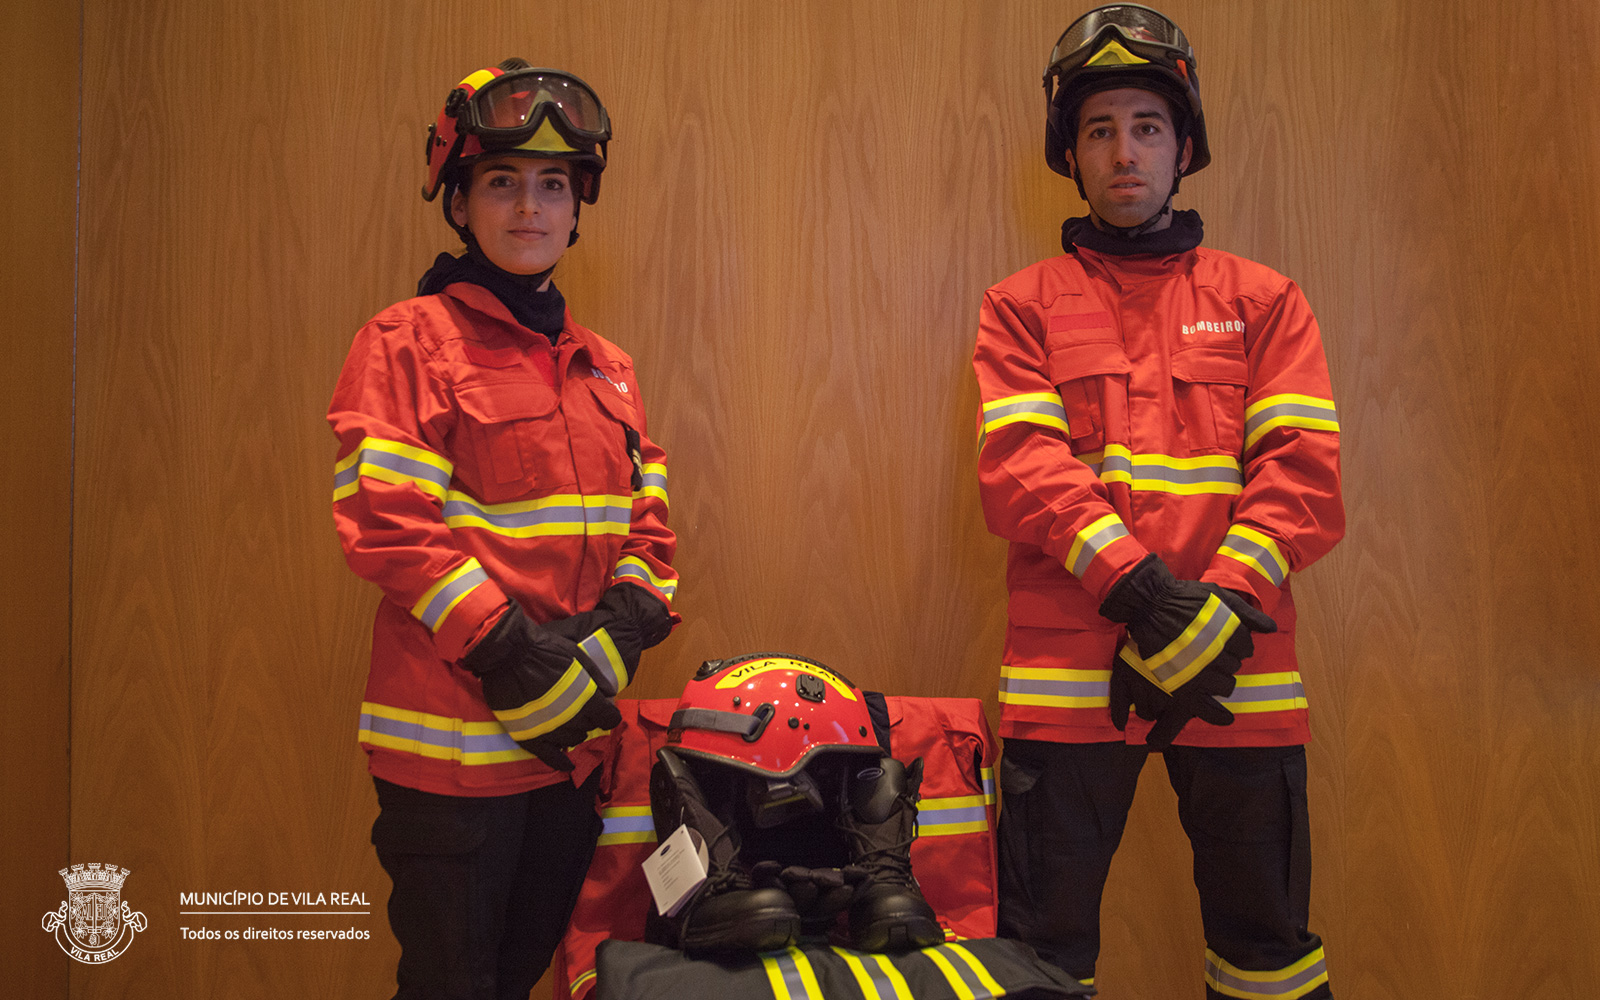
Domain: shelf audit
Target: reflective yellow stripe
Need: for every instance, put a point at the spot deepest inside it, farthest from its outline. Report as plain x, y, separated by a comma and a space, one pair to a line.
1256, 551
579, 983
978, 969
1042, 408
1282, 691
1185, 656
563, 514
882, 983
553, 709
1288, 409
1054, 687
1288, 983
437, 737
1157, 473
944, 817
1091, 540
441, 598
392, 462
958, 983
626, 825
654, 475
640, 570
789, 971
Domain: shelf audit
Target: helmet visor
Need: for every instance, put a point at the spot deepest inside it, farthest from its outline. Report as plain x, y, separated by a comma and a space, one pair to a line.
512, 106
1133, 22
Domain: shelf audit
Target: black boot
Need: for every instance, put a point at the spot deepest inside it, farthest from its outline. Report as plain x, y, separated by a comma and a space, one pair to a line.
879, 815
727, 913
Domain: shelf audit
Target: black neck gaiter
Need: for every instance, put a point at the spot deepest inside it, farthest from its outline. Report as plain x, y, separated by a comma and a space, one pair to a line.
1184, 234
541, 311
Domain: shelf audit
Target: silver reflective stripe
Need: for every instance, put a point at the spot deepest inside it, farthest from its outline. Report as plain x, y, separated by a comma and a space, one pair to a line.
537, 723
1264, 558
1267, 692
965, 814
1184, 656
434, 612
408, 467
1144, 472
1064, 689
787, 965
1279, 410
887, 988
667, 587
1288, 988
1048, 409
1094, 543
614, 825
417, 732
963, 979
571, 514
602, 652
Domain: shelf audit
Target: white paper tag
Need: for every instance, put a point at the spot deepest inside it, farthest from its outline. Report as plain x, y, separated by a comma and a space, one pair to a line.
676, 869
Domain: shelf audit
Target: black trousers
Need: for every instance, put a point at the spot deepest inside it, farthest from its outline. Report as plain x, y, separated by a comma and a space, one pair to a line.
1063, 810
483, 887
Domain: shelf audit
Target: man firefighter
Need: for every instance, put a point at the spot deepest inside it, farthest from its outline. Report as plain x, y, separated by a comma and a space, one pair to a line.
1159, 446
496, 481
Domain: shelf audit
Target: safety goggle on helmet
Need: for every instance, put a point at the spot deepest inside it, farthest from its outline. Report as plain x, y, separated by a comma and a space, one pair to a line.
522, 109
1120, 45
770, 714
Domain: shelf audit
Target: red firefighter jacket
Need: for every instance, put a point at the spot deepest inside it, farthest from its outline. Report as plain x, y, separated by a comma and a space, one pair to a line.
1173, 404
953, 855
480, 464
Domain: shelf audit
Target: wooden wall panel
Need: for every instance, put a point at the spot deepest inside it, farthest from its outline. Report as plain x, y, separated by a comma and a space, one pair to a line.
38, 172
804, 205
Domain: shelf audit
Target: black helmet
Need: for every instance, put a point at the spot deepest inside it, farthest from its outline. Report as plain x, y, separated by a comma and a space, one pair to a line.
1121, 45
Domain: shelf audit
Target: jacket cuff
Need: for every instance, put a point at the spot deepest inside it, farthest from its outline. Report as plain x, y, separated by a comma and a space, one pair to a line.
474, 615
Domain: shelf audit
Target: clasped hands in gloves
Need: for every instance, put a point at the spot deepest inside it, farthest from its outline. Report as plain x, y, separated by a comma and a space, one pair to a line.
1186, 641
551, 685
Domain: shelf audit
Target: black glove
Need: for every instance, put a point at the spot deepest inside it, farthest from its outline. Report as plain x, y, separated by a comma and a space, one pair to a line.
539, 687
626, 622
1195, 700
1180, 626
1131, 689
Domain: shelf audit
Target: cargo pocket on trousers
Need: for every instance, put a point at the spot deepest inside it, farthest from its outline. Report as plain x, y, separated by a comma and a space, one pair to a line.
402, 832
1247, 800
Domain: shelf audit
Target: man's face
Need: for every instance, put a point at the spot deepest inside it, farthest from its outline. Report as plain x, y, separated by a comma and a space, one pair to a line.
520, 210
1127, 154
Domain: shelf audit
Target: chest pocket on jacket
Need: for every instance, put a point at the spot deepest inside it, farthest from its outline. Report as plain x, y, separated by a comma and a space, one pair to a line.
1087, 375
510, 425
1209, 381
615, 445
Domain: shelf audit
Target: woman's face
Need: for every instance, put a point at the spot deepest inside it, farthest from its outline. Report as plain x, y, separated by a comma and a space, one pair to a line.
520, 210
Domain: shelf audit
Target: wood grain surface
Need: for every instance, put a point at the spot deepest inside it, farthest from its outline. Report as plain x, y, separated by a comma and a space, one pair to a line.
38, 171
804, 204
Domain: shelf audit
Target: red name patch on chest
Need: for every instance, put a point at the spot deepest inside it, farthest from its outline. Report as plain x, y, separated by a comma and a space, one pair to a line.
1080, 321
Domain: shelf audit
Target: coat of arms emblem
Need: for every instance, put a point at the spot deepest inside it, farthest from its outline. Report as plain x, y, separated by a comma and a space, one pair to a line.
94, 924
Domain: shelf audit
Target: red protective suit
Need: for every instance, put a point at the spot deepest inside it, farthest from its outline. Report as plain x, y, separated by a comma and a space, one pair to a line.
953, 853
1176, 404
478, 463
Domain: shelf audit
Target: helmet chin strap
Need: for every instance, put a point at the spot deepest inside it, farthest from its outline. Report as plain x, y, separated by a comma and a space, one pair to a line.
1133, 232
